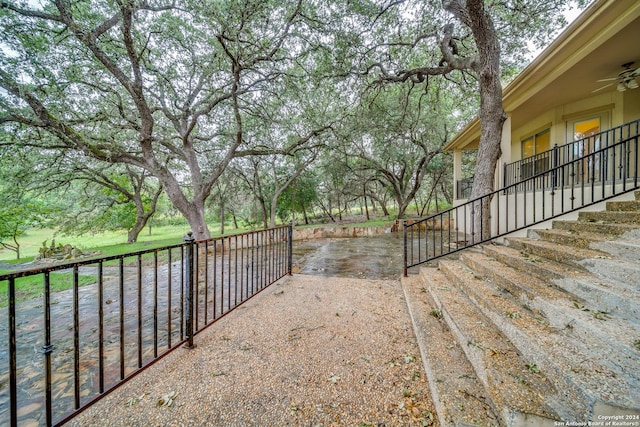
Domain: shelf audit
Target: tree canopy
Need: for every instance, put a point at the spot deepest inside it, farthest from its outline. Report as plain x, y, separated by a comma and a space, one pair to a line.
177, 93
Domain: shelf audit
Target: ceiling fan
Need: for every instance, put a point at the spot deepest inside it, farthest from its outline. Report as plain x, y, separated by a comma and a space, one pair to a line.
626, 79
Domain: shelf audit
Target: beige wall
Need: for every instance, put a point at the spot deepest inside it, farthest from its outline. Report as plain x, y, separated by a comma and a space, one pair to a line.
631, 105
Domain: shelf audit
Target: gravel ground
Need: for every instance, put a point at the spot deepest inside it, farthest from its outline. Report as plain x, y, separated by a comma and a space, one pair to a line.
309, 351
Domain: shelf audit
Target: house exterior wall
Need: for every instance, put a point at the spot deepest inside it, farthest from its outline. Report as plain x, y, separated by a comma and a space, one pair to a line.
615, 107
631, 105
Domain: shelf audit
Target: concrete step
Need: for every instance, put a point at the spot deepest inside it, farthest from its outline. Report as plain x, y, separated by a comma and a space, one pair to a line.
610, 217
559, 253
560, 308
620, 273
609, 229
611, 297
624, 246
629, 205
582, 239
521, 395
541, 268
620, 248
614, 296
458, 396
568, 355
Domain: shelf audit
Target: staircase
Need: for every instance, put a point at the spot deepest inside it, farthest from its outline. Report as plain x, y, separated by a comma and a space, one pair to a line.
536, 329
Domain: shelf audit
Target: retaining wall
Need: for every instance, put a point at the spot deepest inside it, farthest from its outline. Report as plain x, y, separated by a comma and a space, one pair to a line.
338, 231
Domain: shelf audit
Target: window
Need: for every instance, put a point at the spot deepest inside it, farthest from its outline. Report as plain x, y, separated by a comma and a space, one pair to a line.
536, 144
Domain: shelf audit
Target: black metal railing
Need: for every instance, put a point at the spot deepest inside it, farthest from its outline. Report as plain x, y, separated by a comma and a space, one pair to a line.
61, 352
570, 186
538, 164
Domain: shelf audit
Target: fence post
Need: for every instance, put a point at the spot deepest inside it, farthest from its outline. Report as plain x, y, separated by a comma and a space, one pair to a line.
13, 366
554, 174
504, 175
290, 258
404, 238
189, 240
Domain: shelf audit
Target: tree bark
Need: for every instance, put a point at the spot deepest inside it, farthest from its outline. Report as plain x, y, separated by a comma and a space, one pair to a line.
472, 13
142, 216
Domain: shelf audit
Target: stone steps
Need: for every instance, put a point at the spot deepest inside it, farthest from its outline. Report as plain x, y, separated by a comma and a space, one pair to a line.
459, 397
611, 293
515, 390
569, 238
628, 205
593, 227
620, 249
561, 310
539, 267
615, 271
552, 251
616, 217
557, 312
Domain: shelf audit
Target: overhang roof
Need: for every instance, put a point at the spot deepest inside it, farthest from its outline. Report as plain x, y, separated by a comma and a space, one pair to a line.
605, 36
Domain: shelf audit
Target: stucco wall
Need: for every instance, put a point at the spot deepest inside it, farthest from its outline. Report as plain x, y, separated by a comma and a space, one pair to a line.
618, 108
631, 105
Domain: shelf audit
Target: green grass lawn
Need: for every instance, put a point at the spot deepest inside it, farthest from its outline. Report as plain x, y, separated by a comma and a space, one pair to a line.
27, 288
104, 244
110, 242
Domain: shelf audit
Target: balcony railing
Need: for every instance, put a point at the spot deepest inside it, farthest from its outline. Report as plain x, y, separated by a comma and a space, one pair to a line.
65, 350
572, 185
538, 164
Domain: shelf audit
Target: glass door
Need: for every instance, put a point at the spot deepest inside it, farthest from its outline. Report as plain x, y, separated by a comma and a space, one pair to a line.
583, 136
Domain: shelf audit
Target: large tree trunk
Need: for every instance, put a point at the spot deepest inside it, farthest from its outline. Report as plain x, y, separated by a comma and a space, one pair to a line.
265, 215
492, 115
402, 207
142, 216
274, 206
193, 211
141, 221
194, 214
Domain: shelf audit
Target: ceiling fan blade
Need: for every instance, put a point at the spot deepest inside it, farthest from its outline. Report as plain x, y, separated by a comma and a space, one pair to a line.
608, 80
603, 87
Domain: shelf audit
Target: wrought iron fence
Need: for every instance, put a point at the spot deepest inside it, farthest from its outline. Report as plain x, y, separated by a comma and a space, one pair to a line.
577, 183
538, 164
63, 351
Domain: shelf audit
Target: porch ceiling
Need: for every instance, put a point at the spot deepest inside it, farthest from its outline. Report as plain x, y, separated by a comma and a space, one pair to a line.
581, 79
